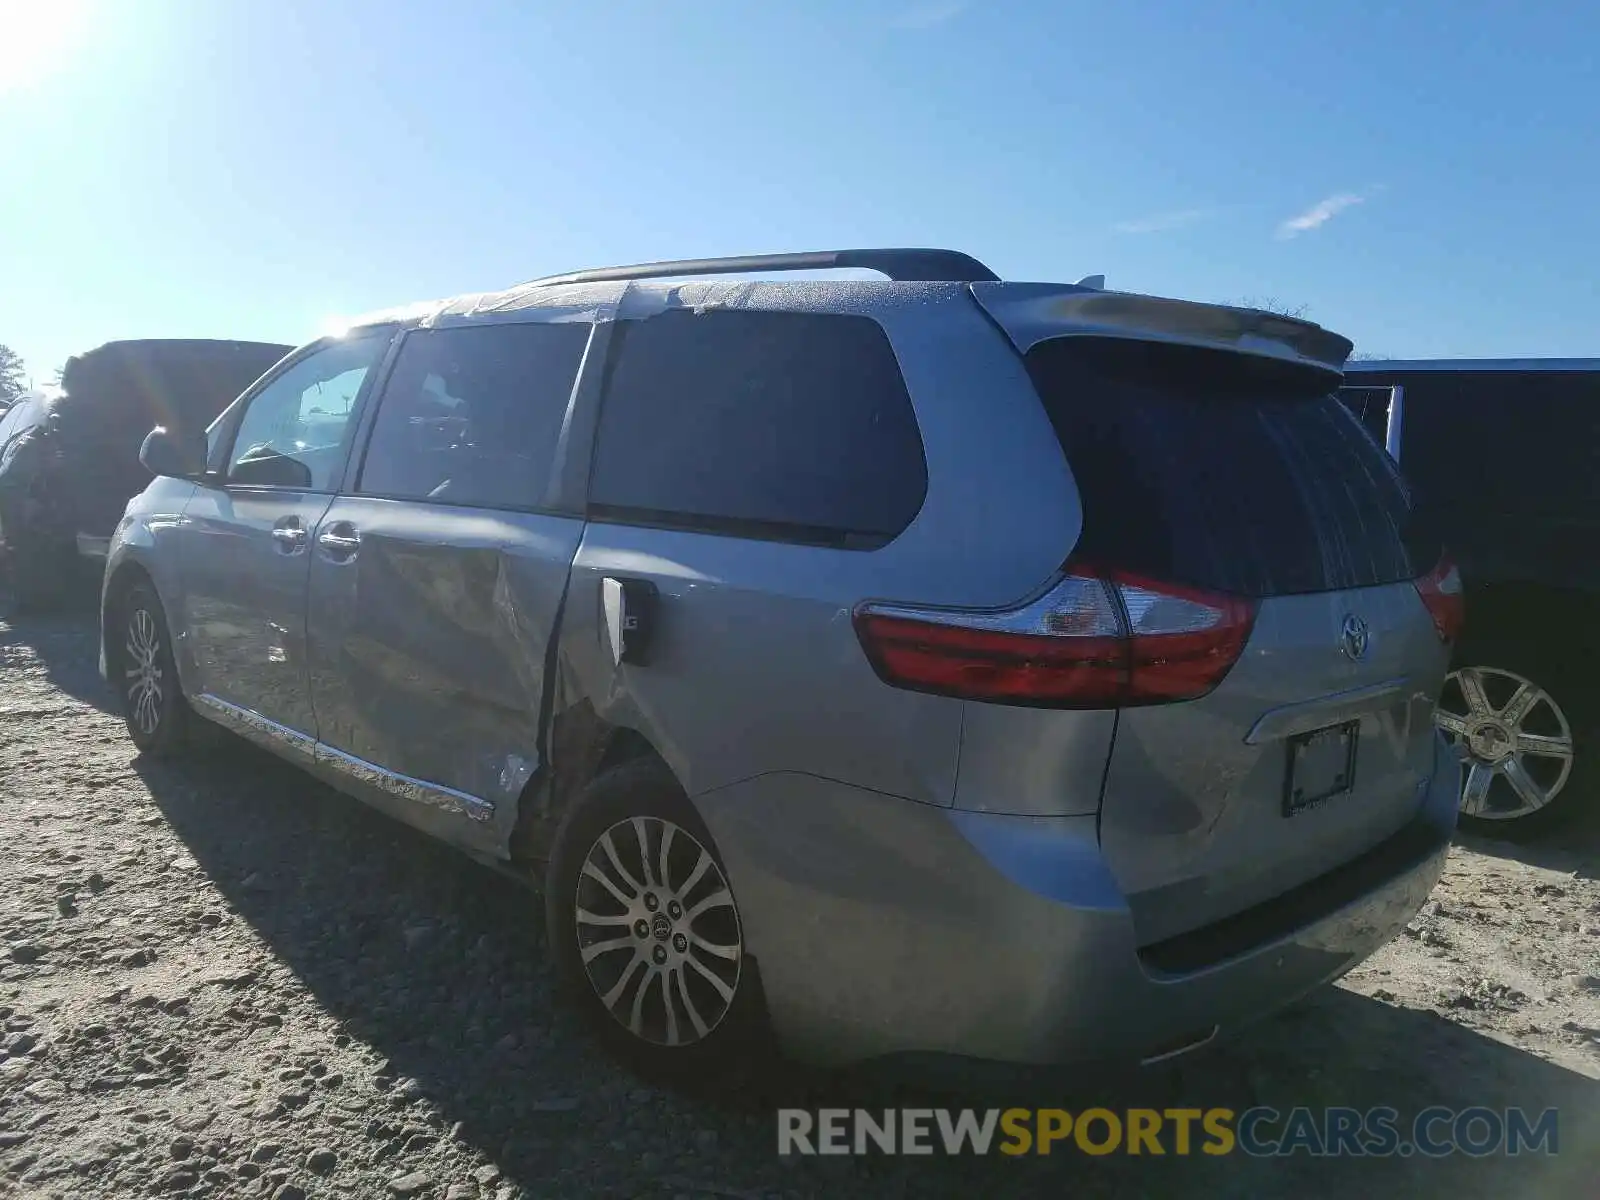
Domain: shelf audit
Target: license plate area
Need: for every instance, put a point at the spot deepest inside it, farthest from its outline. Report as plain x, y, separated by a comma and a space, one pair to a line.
1321, 767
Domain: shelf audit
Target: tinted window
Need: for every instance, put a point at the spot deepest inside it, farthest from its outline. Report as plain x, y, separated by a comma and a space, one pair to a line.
472, 415
1505, 444
294, 431
1224, 472
792, 426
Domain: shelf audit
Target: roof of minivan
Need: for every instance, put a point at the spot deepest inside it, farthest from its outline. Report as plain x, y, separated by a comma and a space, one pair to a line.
1061, 307
1387, 365
584, 300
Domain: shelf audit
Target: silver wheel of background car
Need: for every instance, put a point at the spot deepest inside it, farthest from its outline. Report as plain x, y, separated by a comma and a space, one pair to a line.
1518, 741
658, 931
142, 669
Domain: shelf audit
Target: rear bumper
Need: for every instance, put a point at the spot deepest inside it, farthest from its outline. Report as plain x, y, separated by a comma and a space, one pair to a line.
885, 927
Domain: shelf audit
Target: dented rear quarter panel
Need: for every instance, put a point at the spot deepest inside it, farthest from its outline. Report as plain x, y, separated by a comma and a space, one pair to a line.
754, 665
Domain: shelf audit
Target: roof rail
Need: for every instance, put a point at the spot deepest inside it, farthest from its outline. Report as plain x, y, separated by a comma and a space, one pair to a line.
901, 265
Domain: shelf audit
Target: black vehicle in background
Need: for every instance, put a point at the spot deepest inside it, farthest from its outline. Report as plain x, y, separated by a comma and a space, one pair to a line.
1505, 455
69, 456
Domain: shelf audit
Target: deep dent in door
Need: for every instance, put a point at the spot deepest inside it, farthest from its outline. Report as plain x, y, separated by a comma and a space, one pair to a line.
443, 666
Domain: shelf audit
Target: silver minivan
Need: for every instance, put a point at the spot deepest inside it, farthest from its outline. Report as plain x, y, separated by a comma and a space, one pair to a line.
934, 666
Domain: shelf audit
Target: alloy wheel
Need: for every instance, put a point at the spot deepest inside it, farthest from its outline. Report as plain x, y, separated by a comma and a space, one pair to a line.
658, 931
1518, 740
143, 670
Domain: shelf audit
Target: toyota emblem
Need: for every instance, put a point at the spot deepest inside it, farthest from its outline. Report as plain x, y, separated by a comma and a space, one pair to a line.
1354, 638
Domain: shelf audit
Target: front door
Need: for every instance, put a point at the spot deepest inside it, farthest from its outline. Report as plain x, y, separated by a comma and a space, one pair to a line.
246, 542
438, 580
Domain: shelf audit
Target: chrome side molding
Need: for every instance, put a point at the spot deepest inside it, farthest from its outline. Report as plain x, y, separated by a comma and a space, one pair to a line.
265, 731
417, 791
1187, 1046
251, 724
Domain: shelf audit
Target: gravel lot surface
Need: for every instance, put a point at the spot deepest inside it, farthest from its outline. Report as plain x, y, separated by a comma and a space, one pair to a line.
219, 978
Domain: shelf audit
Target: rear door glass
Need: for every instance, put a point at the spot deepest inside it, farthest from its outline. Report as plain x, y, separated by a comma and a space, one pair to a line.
472, 415
1224, 471
772, 425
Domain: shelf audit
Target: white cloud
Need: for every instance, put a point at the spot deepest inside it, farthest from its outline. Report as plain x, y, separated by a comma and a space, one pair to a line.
1162, 222
926, 16
1323, 211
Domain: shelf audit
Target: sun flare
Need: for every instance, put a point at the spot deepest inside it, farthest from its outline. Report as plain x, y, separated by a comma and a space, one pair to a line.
36, 37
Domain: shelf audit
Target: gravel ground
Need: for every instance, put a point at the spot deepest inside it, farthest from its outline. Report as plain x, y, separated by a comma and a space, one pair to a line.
219, 978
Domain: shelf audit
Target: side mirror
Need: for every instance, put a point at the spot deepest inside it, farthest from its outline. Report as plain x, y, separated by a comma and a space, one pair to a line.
174, 453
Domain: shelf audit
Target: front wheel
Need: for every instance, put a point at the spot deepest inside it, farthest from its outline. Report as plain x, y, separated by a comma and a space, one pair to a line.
646, 933
146, 675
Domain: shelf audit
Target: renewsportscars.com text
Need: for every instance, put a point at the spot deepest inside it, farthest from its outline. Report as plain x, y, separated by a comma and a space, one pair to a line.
1258, 1132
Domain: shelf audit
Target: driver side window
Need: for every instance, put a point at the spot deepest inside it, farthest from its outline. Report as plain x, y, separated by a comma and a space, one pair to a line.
294, 432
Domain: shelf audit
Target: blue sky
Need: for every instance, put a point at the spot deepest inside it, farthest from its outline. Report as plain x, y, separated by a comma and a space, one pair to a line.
1422, 176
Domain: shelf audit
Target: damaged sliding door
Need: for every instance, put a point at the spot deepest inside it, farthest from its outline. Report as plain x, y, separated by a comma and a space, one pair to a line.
438, 577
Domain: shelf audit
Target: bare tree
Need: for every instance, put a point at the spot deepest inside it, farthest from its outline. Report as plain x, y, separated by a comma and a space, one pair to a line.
1272, 304
12, 381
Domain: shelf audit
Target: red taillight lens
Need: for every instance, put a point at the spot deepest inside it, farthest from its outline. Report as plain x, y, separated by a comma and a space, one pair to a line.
1090, 642
1184, 640
1442, 593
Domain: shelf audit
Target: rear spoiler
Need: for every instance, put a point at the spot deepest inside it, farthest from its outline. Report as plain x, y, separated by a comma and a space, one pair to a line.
1030, 313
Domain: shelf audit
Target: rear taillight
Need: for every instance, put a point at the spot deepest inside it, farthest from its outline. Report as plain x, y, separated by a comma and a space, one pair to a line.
1093, 641
1444, 597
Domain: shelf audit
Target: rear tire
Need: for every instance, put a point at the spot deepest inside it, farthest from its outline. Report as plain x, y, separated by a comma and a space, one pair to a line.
645, 933
1529, 725
146, 675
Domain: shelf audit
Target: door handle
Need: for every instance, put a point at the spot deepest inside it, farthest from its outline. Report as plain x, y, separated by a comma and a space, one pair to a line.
290, 535
340, 541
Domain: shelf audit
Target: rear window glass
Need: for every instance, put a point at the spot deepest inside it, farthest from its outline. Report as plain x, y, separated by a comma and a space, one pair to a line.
1225, 472
782, 426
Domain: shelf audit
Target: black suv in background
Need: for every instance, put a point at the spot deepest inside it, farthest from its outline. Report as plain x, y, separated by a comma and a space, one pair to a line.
69, 456
1505, 455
